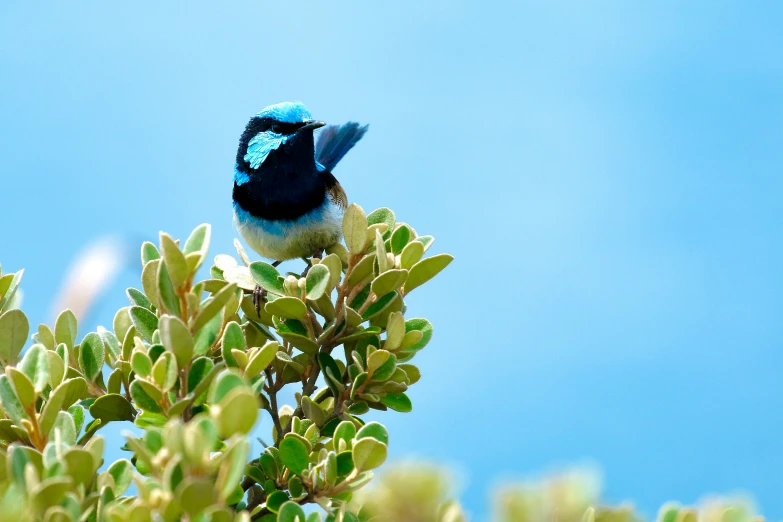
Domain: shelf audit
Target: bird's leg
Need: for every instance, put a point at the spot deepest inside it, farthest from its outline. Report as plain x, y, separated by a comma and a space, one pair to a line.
309, 263
259, 294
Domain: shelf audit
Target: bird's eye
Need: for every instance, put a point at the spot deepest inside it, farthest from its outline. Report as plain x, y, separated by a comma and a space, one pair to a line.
277, 129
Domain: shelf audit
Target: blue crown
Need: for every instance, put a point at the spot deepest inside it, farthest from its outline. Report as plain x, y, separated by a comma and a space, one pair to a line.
286, 112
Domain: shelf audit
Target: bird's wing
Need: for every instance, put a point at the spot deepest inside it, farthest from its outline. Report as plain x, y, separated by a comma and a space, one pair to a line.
335, 190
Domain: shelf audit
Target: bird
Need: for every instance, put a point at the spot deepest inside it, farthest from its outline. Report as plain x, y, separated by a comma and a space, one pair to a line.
287, 203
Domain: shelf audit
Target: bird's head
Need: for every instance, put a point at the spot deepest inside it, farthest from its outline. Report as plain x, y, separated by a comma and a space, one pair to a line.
286, 126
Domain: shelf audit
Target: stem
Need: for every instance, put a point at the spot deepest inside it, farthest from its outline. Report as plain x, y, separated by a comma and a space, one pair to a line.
127, 387
271, 390
36, 437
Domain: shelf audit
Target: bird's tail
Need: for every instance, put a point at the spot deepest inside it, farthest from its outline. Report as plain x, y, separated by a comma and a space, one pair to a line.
335, 141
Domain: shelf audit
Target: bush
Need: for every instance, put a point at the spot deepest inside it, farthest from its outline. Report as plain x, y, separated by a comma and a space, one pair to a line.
193, 363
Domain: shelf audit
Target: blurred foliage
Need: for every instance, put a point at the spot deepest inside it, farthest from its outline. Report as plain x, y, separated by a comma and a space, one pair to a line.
420, 492
195, 363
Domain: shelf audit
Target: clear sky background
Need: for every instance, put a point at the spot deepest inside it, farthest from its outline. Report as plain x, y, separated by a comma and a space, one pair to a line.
607, 174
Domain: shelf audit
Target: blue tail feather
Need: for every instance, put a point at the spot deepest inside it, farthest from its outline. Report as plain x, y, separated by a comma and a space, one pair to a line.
335, 141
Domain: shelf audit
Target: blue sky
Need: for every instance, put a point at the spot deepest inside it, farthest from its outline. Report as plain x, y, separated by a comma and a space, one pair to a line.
607, 175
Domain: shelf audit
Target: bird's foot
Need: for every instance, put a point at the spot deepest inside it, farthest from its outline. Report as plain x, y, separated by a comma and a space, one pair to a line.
317, 255
259, 294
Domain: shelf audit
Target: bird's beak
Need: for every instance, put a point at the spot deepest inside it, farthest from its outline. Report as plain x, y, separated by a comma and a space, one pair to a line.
311, 126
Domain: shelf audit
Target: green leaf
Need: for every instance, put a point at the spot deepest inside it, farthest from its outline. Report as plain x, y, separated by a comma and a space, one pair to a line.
167, 295
376, 359
62, 397
141, 364
9, 285
233, 339
267, 277
238, 412
114, 383
360, 298
368, 453
10, 402
149, 252
22, 386
379, 306
241, 252
226, 382
295, 333
275, 500
164, 371
207, 335
422, 325
287, 307
426, 269
294, 454
398, 402
389, 281
345, 462
112, 345
361, 334
199, 240
413, 373
240, 276
77, 413
317, 281
175, 260
176, 338
340, 251
149, 281
196, 494
46, 337
92, 355
325, 361
35, 364
233, 464
400, 238
66, 426
380, 253
14, 329
56, 368
122, 473
313, 411
50, 492
262, 359
383, 215
213, 306
427, 241
137, 298
145, 322
335, 266
346, 431
291, 512
112, 407
375, 430
142, 399
355, 229
362, 270
199, 369
65, 329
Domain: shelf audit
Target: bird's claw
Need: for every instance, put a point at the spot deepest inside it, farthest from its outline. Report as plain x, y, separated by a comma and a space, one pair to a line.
309, 262
258, 297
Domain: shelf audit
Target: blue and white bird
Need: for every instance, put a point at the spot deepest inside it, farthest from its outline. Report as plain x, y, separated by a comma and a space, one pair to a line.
287, 203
